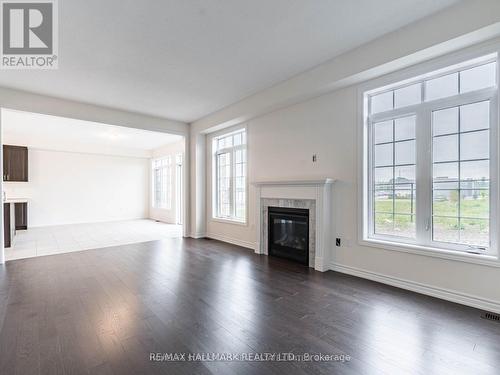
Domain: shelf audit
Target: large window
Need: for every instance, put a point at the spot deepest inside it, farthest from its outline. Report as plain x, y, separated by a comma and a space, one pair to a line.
431, 159
162, 183
230, 160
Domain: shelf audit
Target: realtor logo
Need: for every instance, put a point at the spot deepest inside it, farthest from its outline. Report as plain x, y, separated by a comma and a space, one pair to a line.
29, 34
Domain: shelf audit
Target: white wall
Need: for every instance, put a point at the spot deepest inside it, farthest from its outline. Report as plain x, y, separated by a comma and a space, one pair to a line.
163, 214
68, 188
465, 24
287, 124
280, 147
197, 183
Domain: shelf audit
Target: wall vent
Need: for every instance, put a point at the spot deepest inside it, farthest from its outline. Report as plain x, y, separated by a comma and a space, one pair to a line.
491, 316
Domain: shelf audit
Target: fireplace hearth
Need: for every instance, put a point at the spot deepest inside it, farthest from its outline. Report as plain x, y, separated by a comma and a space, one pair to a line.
289, 233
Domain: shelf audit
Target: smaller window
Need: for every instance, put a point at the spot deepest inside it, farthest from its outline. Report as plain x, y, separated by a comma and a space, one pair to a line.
477, 78
230, 172
441, 87
408, 95
162, 183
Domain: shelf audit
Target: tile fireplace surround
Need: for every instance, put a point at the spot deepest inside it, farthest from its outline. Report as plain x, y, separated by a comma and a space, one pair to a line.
315, 195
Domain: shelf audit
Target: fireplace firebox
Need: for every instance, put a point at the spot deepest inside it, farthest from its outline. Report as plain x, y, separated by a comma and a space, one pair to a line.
289, 233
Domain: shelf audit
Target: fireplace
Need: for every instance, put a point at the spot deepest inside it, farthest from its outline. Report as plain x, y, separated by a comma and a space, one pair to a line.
312, 197
289, 233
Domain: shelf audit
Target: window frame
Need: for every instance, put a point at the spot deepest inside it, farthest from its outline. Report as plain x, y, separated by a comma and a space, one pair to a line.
232, 219
420, 73
168, 183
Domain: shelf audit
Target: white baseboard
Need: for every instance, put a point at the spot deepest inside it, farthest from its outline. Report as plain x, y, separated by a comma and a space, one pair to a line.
449, 295
197, 235
234, 241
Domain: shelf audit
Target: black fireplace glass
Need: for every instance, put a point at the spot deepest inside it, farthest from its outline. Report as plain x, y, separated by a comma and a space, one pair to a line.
289, 233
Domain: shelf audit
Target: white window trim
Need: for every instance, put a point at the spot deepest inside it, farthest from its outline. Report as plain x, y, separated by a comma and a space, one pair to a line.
395, 79
214, 216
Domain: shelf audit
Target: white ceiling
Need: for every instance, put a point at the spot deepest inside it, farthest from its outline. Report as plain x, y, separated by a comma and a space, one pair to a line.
64, 134
185, 59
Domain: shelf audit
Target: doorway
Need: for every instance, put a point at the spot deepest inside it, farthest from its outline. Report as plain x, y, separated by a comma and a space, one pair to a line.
91, 209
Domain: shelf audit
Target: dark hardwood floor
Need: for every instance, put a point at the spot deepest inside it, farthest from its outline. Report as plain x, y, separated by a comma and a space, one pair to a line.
104, 311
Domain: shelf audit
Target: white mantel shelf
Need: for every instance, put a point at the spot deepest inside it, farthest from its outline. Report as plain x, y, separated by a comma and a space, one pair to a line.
295, 182
16, 200
319, 191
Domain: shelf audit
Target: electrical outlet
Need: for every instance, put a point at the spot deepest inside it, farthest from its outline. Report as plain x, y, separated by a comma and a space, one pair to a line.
337, 241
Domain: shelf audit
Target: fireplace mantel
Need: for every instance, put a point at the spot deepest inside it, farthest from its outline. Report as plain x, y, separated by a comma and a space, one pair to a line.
293, 193
323, 181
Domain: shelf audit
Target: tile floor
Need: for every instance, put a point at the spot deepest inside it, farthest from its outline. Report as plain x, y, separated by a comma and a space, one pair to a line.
66, 238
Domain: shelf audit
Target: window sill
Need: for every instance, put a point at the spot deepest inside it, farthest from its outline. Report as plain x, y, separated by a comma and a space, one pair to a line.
228, 221
482, 259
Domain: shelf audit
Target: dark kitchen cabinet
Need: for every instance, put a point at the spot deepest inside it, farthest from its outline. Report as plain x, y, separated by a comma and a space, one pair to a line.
21, 214
6, 225
15, 163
